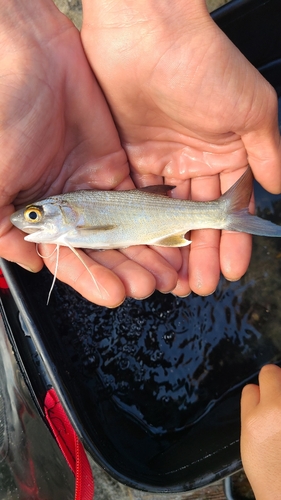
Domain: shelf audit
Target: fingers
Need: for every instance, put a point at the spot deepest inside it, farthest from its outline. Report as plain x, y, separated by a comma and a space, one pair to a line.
164, 273
141, 270
235, 248
235, 254
97, 283
171, 255
182, 288
112, 275
137, 281
204, 265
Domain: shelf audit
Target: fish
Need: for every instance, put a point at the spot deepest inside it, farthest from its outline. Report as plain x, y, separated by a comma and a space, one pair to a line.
100, 219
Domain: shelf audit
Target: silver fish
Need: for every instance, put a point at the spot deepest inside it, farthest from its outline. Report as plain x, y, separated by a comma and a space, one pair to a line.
118, 219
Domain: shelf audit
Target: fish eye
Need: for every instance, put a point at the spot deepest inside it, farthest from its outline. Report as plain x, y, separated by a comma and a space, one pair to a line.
33, 214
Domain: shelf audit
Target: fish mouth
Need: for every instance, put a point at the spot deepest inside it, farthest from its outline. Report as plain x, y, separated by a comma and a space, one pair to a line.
26, 228
17, 220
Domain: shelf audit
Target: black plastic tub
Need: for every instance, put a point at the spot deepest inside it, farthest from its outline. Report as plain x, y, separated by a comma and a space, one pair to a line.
153, 387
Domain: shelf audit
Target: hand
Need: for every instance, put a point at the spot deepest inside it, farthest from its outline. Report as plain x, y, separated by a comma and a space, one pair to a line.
261, 433
57, 135
191, 111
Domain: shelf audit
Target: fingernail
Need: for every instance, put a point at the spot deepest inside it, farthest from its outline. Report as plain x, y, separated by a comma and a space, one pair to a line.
208, 294
117, 305
184, 296
144, 297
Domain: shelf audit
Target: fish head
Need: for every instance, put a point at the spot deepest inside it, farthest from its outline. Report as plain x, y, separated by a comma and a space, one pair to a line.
44, 221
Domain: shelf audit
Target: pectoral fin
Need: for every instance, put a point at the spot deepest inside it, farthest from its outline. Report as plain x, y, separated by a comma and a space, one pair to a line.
107, 227
174, 240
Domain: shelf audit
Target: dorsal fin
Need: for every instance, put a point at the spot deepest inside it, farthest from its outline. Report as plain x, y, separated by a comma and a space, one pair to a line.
161, 189
239, 194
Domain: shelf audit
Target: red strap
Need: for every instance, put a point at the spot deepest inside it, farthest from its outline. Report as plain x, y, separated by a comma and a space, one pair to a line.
70, 446
3, 282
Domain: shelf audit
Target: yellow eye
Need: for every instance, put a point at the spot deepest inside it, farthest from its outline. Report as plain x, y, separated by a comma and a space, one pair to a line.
33, 214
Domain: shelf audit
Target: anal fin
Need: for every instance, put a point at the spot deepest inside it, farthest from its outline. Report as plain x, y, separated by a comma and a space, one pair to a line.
174, 240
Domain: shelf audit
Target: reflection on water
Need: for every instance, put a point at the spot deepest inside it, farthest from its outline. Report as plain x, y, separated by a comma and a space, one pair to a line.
166, 361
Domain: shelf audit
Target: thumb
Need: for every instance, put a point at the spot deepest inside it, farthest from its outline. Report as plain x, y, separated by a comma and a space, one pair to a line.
249, 400
263, 145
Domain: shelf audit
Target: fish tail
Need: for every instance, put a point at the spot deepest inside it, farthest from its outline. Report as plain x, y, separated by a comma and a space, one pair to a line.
244, 222
239, 219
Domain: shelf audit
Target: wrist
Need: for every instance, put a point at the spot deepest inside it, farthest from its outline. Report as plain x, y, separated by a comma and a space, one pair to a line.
129, 13
20, 22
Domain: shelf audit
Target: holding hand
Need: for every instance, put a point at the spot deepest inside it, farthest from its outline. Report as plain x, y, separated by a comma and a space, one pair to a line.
57, 135
191, 111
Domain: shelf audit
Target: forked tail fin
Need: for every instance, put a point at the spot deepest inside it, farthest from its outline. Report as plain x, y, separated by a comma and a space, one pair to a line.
239, 218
